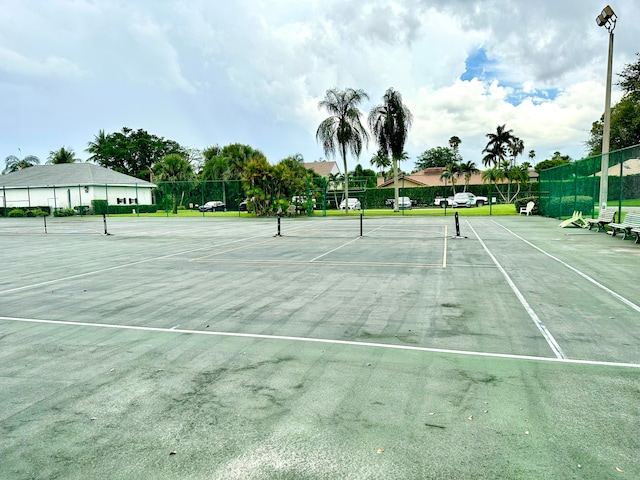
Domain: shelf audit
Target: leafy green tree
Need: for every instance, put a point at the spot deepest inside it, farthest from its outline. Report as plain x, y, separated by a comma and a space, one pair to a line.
342, 131
624, 127
437, 157
174, 168
13, 163
258, 179
390, 123
625, 115
555, 161
630, 75
497, 145
62, 156
133, 152
366, 174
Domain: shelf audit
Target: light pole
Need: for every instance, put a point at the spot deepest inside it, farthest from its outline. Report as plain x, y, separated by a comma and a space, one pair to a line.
606, 19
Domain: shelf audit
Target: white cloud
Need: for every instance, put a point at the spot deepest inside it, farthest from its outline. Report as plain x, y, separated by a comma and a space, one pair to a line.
204, 72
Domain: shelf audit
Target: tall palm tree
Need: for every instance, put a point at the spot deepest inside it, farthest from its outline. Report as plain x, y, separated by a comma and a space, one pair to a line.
497, 145
342, 131
62, 156
515, 148
468, 169
13, 163
173, 168
390, 123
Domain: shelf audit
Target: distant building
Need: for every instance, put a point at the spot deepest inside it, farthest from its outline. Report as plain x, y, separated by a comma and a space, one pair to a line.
323, 168
430, 177
70, 185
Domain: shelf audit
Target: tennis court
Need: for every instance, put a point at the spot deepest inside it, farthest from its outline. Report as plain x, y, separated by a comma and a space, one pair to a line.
211, 348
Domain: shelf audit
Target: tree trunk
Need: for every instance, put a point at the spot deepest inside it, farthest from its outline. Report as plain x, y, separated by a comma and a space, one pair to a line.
346, 180
396, 187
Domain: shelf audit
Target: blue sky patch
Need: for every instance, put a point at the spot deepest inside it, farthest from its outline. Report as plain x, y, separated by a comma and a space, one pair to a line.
479, 65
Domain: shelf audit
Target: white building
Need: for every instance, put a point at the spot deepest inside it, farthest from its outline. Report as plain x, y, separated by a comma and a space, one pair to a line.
70, 185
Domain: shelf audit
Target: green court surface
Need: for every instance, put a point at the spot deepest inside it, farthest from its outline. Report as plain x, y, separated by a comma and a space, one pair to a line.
192, 348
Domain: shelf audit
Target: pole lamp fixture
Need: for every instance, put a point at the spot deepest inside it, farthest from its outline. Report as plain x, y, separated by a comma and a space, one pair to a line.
606, 19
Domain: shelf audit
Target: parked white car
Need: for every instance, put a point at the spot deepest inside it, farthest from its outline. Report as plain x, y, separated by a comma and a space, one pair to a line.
354, 204
468, 199
404, 203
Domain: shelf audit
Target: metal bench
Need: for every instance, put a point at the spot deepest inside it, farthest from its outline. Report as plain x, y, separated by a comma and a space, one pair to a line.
636, 232
605, 217
631, 221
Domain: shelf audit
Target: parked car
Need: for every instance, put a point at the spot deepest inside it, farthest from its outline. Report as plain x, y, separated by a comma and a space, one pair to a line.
468, 199
243, 207
404, 203
354, 204
443, 202
301, 202
213, 206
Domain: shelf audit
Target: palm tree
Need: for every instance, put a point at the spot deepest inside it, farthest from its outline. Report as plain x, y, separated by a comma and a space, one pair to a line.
515, 148
450, 172
381, 161
13, 163
468, 169
62, 156
390, 123
335, 179
491, 175
342, 131
96, 146
497, 145
174, 168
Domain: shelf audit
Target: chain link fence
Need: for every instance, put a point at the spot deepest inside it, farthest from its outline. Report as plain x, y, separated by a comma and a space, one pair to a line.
576, 186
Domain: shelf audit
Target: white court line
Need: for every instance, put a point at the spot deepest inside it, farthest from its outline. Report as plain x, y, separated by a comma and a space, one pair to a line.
341, 246
326, 341
541, 326
124, 265
627, 302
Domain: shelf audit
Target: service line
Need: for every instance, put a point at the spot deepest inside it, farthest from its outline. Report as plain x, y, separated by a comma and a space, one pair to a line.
624, 300
541, 326
324, 341
124, 265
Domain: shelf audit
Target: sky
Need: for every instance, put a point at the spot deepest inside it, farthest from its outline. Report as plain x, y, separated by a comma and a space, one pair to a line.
208, 72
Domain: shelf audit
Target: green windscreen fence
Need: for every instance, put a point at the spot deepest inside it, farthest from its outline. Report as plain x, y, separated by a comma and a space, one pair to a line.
576, 186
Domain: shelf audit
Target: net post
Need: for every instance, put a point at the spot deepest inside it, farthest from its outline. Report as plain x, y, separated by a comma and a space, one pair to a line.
458, 236
361, 224
104, 220
45, 223
278, 234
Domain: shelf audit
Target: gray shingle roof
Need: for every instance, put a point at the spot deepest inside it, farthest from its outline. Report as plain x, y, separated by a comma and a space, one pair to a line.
68, 174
